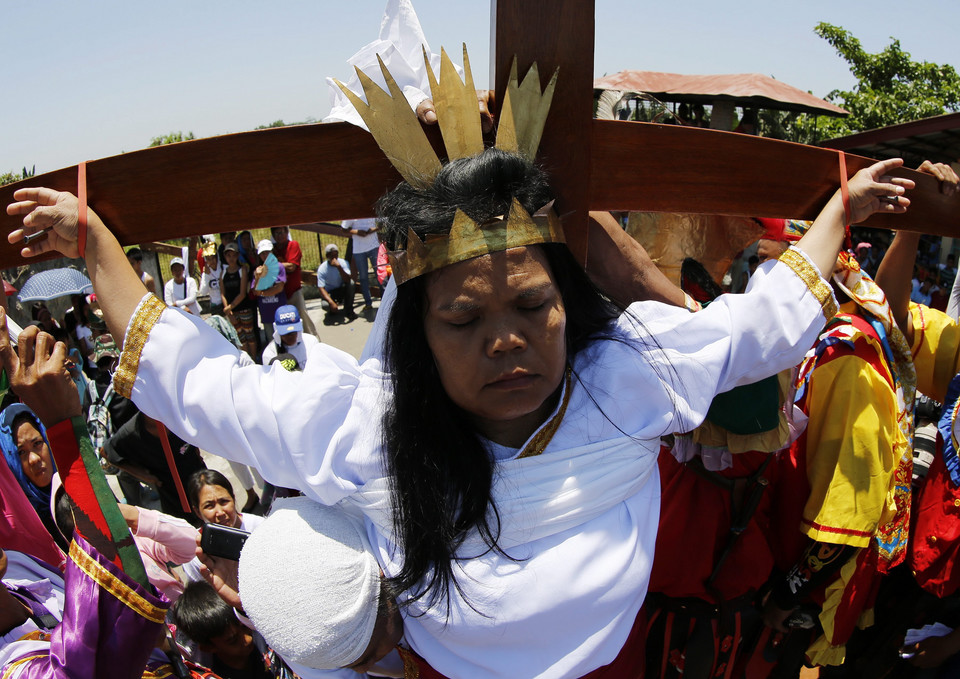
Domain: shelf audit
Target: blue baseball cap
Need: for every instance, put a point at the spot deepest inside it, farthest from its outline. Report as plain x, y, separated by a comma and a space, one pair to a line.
287, 320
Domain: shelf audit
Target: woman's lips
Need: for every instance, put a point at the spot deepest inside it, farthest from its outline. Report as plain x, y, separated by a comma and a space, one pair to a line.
517, 380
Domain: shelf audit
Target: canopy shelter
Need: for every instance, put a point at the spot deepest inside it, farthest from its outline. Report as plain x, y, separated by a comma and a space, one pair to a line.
751, 90
335, 171
936, 139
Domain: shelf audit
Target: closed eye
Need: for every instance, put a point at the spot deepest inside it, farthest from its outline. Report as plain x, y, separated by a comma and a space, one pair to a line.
535, 307
461, 324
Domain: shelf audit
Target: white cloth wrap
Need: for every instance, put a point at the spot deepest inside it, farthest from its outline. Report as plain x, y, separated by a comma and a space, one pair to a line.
326, 620
564, 601
400, 45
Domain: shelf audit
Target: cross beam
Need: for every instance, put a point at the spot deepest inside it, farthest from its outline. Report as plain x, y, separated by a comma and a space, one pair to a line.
335, 171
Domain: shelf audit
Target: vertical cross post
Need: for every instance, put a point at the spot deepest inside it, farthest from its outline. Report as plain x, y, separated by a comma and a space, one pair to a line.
554, 33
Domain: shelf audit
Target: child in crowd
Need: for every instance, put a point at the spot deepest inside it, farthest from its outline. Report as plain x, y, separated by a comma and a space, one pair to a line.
237, 651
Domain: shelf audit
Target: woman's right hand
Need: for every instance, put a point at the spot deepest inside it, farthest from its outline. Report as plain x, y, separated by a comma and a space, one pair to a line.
45, 208
872, 190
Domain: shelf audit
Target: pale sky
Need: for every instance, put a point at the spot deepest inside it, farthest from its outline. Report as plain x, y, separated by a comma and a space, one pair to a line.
85, 80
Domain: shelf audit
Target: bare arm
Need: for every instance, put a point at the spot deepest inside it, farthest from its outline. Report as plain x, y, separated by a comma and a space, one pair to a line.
620, 266
150, 283
893, 277
269, 292
896, 269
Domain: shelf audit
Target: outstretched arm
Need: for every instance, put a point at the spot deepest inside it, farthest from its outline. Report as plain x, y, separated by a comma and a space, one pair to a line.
895, 270
620, 266
107, 264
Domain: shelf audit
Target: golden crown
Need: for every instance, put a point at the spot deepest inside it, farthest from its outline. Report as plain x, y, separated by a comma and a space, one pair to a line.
397, 130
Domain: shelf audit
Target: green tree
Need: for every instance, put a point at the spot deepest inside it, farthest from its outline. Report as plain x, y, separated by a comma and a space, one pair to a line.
171, 138
11, 177
280, 123
891, 87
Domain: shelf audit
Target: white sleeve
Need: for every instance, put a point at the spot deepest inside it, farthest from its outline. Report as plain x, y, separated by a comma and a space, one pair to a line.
168, 293
682, 360
314, 430
191, 297
204, 284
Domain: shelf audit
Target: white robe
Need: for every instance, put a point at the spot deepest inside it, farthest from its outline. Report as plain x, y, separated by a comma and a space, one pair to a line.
580, 520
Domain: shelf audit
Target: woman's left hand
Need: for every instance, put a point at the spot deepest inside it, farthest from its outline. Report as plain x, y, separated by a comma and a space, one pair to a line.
872, 190
45, 208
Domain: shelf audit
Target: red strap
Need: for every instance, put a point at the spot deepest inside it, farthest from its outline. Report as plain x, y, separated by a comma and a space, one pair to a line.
168, 453
845, 197
82, 217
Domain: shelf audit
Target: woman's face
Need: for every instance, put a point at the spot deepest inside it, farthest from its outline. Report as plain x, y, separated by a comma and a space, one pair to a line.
495, 325
215, 505
246, 240
34, 454
231, 256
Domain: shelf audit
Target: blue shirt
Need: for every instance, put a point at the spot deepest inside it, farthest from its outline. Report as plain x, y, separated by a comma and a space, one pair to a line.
329, 277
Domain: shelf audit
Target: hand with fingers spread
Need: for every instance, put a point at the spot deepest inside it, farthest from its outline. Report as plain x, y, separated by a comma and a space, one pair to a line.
45, 208
872, 190
38, 373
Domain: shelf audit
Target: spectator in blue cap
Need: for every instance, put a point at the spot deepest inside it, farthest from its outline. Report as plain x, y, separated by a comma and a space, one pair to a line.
288, 337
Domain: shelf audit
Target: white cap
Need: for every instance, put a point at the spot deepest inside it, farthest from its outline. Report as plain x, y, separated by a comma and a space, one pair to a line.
177, 260
266, 245
310, 583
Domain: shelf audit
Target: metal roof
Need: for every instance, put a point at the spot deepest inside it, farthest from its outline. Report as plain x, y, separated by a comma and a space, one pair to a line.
936, 139
744, 89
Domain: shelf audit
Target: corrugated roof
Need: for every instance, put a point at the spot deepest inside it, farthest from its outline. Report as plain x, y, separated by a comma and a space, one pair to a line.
936, 139
744, 89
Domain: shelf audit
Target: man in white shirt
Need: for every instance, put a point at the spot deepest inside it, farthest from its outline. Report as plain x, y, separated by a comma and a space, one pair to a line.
181, 290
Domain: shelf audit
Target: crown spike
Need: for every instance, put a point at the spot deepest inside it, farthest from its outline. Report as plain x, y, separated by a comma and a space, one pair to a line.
524, 111
520, 226
456, 103
395, 127
466, 237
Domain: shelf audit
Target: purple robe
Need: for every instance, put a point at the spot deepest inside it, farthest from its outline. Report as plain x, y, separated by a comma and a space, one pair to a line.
110, 624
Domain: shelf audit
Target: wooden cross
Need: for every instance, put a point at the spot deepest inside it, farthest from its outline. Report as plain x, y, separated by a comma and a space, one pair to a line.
336, 171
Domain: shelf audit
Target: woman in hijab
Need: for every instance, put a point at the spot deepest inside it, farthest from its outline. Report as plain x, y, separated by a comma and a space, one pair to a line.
24, 442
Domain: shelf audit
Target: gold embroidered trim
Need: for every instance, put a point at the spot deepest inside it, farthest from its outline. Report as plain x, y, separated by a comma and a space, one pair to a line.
108, 581
410, 668
9, 672
160, 672
808, 274
543, 437
691, 304
143, 321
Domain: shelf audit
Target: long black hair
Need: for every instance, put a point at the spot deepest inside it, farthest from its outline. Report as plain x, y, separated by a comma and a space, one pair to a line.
441, 473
